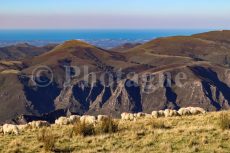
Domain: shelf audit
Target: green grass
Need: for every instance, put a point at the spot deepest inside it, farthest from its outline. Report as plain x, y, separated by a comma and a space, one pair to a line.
200, 133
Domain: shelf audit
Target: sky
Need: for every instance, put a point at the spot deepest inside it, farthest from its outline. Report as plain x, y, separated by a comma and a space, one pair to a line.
114, 14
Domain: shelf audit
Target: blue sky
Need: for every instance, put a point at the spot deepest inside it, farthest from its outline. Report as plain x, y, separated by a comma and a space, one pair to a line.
66, 14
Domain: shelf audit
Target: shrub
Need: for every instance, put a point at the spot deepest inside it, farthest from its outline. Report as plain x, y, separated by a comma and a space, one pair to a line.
224, 121
107, 126
47, 138
83, 129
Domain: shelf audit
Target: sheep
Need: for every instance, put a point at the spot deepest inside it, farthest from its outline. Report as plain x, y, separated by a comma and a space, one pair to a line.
101, 118
1, 130
62, 121
161, 113
184, 111
74, 119
196, 110
131, 116
180, 112
125, 116
88, 119
140, 115
39, 124
201, 110
66, 121
135, 115
174, 113
23, 127
148, 115
128, 116
167, 113
10, 128
170, 113
155, 114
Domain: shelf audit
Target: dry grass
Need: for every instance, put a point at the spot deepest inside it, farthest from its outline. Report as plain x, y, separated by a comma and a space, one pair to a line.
107, 126
47, 138
224, 121
188, 134
158, 124
83, 129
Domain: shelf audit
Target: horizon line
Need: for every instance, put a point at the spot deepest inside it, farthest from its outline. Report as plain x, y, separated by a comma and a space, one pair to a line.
219, 29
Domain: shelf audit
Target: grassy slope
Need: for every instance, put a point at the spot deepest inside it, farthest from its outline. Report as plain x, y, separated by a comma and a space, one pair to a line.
187, 134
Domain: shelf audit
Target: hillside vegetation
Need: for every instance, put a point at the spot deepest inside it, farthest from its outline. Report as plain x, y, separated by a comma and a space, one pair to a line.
201, 133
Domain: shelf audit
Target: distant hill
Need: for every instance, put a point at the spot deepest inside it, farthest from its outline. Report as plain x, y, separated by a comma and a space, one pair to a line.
217, 36
125, 47
22, 51
208, 46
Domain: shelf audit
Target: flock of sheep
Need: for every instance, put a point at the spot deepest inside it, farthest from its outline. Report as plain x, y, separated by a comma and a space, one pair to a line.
16, 129
164, 113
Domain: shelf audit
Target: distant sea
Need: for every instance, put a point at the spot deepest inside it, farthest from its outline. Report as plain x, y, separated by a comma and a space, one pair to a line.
100, 38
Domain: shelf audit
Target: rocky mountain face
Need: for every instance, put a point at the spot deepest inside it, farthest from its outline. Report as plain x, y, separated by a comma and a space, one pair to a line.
164, 73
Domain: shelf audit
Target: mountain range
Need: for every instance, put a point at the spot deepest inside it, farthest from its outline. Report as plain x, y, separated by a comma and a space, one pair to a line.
201, 61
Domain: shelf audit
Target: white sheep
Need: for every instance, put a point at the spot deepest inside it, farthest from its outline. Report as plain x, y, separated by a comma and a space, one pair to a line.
167, 113
62, 121
74, 119
1, 129
155, 114
10, 128
170, 113
39, 124
88, 119
184, 111
128, 116
148, 115
196, 110
131, 116
140, 115
174, 113
161, 113
23, 127
125, 116
201, 110
101, 118
135, 115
